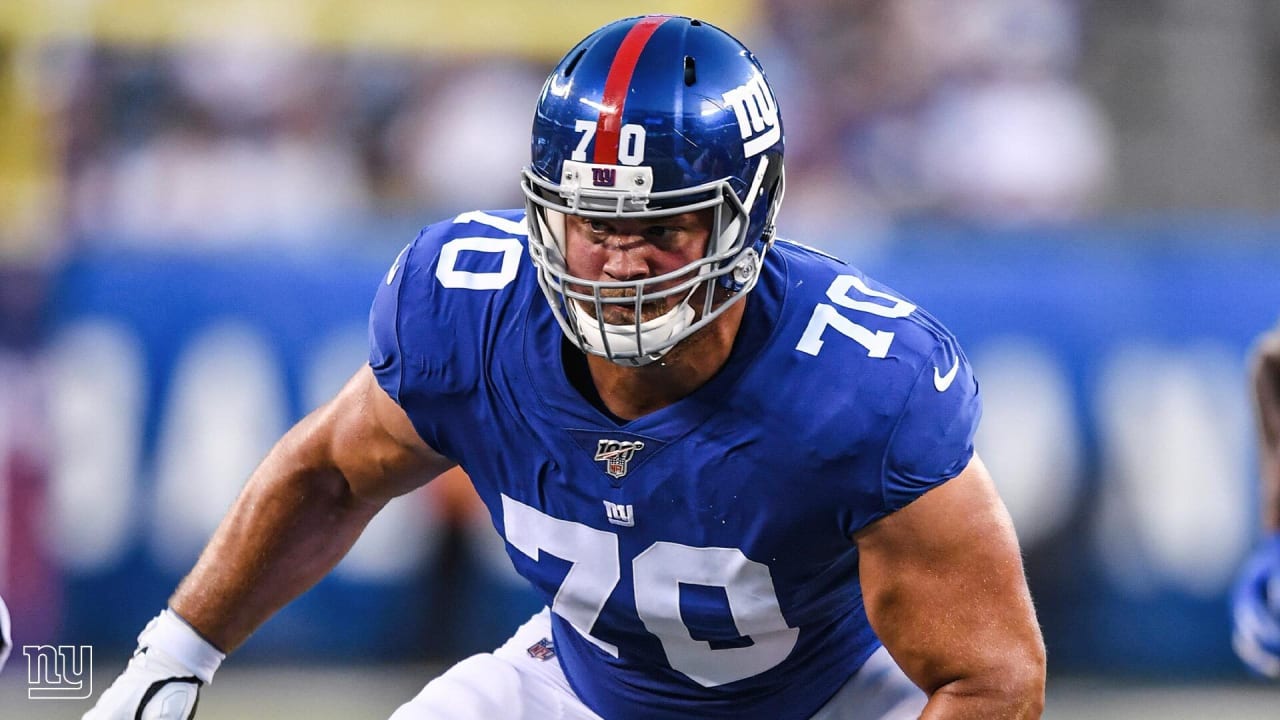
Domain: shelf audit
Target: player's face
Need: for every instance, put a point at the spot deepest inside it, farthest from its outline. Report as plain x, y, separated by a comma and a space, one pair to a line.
615, 249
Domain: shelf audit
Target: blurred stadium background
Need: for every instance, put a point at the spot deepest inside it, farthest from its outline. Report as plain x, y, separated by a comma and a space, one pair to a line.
196, 200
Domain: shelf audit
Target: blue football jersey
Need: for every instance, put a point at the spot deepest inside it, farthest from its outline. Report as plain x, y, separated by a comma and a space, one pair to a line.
697, 560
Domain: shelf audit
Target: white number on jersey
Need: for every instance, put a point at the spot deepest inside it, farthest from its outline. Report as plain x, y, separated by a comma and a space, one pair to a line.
658, 572
824, 316
451, 277
594, 554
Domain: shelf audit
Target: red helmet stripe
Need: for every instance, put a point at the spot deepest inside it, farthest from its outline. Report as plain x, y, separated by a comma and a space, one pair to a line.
609, 125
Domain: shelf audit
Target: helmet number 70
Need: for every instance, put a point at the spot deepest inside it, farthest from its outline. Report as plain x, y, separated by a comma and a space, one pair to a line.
630, 142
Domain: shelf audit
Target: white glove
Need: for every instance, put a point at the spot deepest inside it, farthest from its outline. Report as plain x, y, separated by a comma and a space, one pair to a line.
6, 643
163, 679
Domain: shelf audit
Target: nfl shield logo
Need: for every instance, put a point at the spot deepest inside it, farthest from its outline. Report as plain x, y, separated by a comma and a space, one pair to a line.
542, 650
616, 454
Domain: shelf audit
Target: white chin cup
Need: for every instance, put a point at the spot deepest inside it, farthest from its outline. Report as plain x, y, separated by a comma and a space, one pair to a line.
625, 345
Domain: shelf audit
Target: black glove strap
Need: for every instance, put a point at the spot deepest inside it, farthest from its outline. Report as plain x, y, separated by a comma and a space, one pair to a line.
157, 685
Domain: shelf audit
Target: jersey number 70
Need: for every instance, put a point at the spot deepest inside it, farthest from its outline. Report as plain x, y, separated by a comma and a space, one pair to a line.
824, 315
658, 572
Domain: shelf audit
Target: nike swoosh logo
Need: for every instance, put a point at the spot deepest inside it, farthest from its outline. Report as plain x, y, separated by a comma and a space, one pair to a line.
942, 382
391, 274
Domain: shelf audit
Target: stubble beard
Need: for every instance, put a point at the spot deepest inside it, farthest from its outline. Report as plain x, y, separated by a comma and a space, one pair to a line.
625, 313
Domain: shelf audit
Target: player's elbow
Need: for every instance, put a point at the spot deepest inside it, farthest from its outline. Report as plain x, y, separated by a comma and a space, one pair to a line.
1027, 687
1008, 684
1020, 681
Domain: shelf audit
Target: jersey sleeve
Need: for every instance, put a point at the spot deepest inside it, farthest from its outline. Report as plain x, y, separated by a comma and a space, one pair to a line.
448, 300
386, 356
415, 350
932, 440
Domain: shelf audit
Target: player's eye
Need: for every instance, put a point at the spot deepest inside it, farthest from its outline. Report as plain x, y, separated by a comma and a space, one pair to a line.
663, 236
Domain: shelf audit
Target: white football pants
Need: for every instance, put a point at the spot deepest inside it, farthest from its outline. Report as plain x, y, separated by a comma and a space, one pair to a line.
515, 683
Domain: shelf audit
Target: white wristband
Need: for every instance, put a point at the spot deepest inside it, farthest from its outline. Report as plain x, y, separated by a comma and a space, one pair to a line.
170, 634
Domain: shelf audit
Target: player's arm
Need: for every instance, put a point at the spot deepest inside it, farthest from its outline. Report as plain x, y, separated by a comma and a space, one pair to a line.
944, 589
297, 516
303, 508
1255, 600
1266, 396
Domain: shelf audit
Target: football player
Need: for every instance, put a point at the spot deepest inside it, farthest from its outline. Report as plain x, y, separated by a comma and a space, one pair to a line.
1256, 599
740, 472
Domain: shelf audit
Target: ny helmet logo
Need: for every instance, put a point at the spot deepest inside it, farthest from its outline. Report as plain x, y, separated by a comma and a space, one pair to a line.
616, 454
757, 114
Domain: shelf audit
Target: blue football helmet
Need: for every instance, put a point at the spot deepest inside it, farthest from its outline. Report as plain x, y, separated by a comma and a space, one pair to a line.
646, 117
